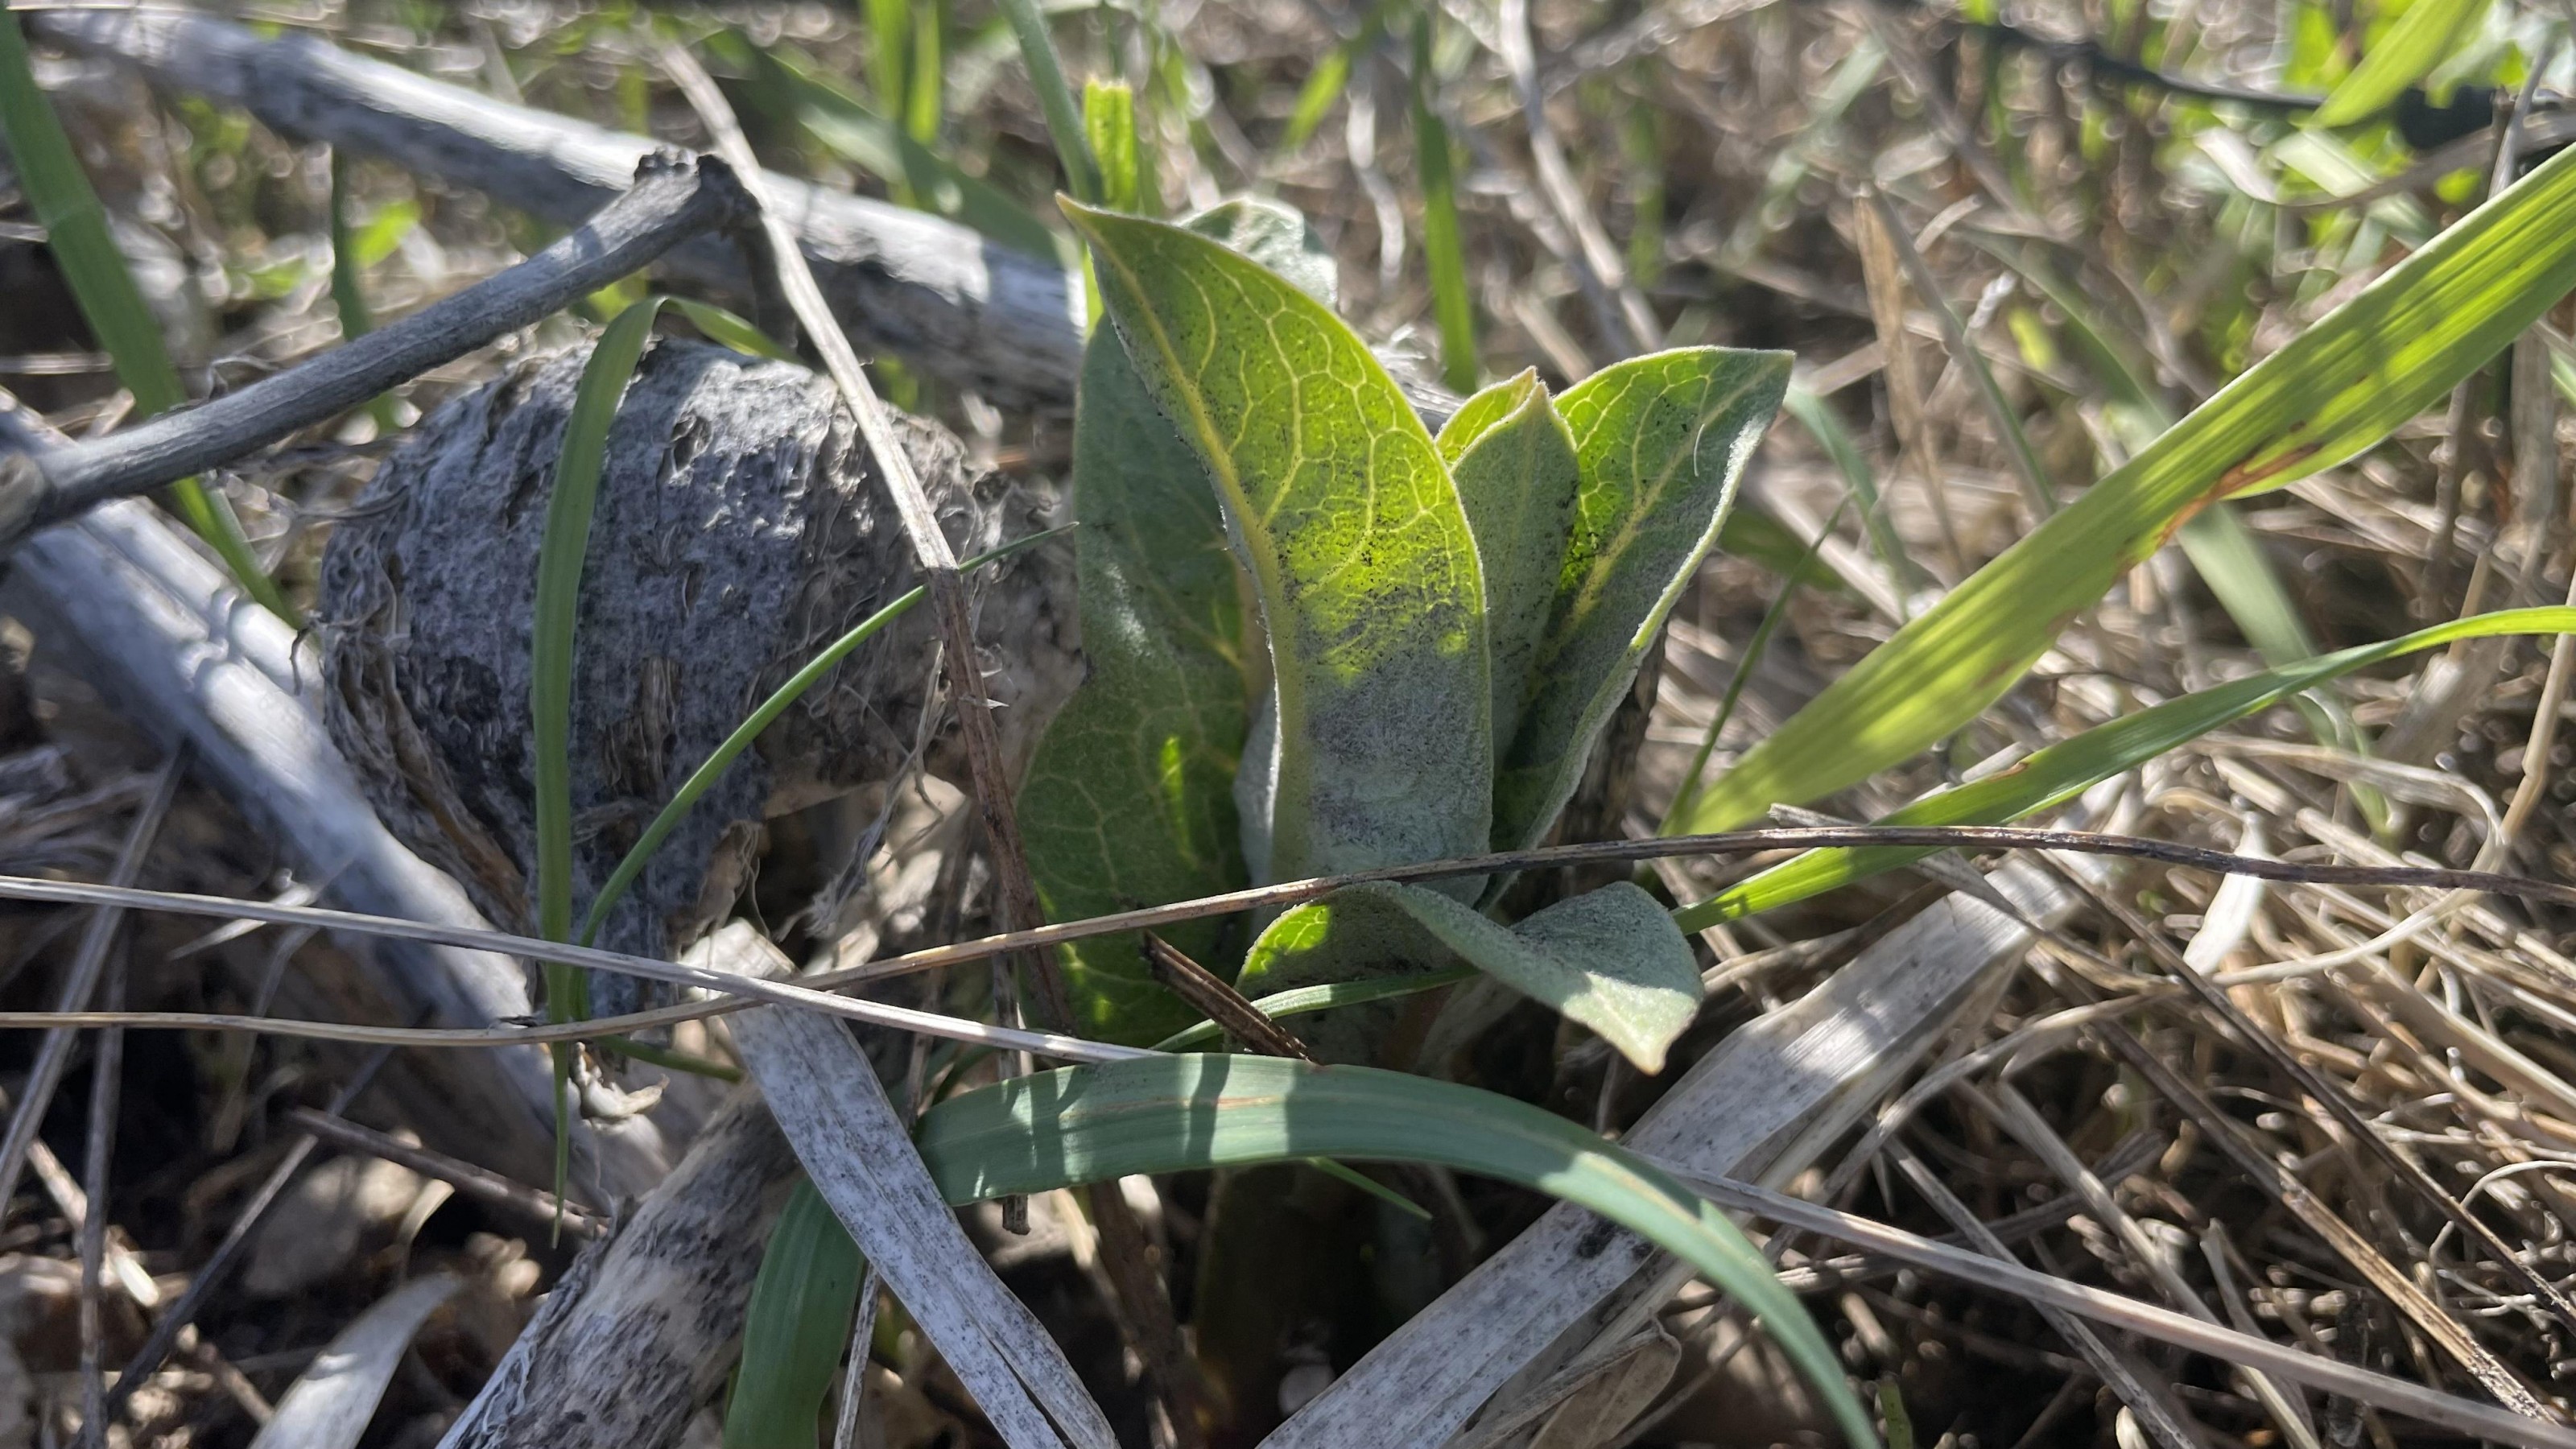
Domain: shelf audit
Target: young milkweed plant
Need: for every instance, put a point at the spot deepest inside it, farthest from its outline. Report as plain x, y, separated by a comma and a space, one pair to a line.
1323, 640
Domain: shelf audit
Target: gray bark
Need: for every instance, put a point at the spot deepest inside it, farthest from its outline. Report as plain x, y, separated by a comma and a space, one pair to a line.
672, 198
739, 528
642, 1329
953, 303
965, 309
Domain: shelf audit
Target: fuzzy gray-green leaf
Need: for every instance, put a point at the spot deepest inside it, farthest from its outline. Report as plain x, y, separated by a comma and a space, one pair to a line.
1514, 465
1662, 441
1611, 960
1359, 551
1128, 800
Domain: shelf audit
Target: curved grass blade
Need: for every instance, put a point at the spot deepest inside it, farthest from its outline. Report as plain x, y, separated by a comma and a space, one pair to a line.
571, 497
76, 232
1443, 246
1094, 1124
846, 127
1662, 440
729, 329
1610, 959
1128, 799
1359, 550
798, 1321
331, 1404
2062, 771
2425, 36
2335, 390
1513, 462
721, 758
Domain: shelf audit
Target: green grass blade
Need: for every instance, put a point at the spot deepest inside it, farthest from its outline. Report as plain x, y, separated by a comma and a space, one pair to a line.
2064, 770
348, 298
1821, 421
840, 123
2336, 389
1444, 250
1174, 1114
889, 53
2422, 39
927, 102
1358, 547
1324, 85
798, 1321
1754, 649
729, 329
77, 234
1055, 98
721, 758
1305, 999
570, 501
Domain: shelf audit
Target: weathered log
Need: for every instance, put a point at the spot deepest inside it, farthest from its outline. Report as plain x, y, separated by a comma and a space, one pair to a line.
643, 1328
951, 302
964, 309
159, 631
739, 529
673, 197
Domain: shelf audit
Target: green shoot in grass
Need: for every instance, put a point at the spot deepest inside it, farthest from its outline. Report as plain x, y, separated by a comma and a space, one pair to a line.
77, 233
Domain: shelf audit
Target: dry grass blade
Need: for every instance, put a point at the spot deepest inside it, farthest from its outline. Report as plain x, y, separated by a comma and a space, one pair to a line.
98, 938
2398, 1395
330, 1405
858, 1151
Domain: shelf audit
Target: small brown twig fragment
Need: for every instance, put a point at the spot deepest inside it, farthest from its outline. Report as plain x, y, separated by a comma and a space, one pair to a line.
534, 1204
1211, 997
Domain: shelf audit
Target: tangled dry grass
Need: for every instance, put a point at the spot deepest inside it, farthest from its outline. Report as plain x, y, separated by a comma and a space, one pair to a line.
2301, 1152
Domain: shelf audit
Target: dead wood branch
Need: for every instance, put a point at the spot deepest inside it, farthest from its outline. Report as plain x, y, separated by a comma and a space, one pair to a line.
673, 199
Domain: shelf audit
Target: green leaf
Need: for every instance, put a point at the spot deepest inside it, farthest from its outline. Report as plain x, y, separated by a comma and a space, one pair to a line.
1513, 462
1128, 798
1359, 551
83, 248
2067, 769
798, 1322
2336, 389
1662, 441
1610, 959
1171, 1114
2422, 39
